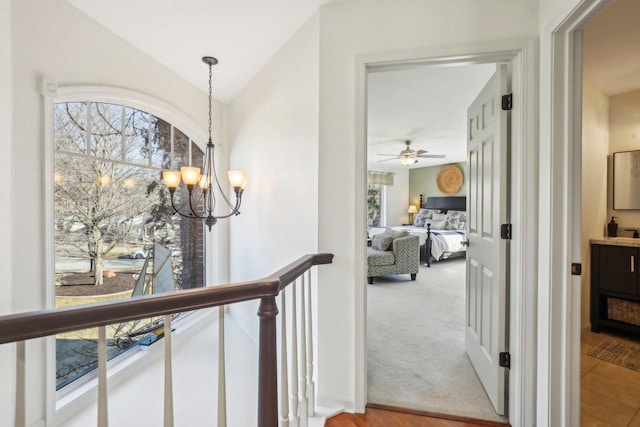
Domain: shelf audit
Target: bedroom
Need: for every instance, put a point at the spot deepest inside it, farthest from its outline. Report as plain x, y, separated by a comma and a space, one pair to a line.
421, 109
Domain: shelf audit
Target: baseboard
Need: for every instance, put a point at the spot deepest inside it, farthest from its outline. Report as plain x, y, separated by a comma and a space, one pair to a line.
437, 415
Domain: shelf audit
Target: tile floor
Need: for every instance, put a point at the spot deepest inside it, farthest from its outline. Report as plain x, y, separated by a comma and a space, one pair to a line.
610, 394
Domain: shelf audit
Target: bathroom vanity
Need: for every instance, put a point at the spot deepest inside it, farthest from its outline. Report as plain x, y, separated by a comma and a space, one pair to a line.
615, 286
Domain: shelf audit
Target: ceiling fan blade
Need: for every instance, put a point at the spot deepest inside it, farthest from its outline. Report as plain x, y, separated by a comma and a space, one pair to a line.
432, 156
419, 152
391, 158
394, 155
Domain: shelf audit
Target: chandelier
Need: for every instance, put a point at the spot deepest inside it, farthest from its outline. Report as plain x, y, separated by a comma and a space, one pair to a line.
206, 182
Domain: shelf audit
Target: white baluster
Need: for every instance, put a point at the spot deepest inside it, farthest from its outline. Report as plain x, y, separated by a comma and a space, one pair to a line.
168, 374
311, 386
21, 397
302, 379
294, 360
222, 377
103, 409
284, 377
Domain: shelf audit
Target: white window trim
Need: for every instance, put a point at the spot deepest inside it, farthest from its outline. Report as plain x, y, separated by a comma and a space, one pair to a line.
84, 393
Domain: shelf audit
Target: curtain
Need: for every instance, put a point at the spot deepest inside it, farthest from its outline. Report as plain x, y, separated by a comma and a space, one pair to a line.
381, 178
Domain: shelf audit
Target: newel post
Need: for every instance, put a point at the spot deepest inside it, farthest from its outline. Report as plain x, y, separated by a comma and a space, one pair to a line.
267, 364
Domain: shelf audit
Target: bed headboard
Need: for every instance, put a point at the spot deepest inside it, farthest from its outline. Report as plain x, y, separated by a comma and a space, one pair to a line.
445, 204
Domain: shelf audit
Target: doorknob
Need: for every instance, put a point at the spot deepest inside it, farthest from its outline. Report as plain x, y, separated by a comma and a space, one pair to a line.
465, 242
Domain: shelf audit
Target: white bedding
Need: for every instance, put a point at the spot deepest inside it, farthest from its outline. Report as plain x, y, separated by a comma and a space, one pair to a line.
442, 240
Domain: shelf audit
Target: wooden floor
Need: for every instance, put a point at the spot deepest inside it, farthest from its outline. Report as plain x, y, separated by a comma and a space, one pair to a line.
375, 417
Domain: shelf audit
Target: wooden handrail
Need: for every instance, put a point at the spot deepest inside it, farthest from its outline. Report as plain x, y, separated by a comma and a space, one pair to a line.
41, 323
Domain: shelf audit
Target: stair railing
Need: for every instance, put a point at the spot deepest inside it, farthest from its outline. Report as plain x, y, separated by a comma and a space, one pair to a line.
20, 327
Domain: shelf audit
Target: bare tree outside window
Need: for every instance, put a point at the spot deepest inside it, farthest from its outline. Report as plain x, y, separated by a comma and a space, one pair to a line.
111, 208
374, 204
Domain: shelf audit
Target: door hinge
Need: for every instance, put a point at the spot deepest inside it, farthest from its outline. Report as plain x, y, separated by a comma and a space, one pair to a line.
507, 102
504, 359
505, 231
576, 269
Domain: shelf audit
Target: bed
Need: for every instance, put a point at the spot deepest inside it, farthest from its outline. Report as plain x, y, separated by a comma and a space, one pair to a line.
442, 244
436, 243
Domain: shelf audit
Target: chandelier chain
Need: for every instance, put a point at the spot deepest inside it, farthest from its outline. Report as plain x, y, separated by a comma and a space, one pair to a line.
210, 91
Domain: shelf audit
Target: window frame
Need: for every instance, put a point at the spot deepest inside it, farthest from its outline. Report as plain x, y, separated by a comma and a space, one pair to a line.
63, 403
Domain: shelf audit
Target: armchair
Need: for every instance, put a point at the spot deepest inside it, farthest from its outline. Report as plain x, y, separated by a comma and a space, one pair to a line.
403, 257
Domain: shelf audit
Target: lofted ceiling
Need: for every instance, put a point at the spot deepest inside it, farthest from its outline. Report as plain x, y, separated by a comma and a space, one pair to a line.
424, 104
242, 34
427, 105
611, 48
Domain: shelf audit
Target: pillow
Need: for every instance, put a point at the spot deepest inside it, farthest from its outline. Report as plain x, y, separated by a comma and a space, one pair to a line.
456, 220
423, 215
395, 234
381, 242
436, 222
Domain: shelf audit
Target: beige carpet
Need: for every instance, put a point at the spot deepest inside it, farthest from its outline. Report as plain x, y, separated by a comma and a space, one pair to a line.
415, 338
618, 353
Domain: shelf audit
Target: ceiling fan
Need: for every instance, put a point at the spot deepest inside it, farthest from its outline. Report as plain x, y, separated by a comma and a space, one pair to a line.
408, 156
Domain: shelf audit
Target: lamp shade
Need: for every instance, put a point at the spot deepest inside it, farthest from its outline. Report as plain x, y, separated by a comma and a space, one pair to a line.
412, 209
237, 178
171, 178
190, 175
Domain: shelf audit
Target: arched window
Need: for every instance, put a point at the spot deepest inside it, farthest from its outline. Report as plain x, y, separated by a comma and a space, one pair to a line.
115, 233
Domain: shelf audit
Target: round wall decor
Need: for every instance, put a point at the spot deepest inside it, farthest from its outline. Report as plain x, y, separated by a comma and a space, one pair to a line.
449, 179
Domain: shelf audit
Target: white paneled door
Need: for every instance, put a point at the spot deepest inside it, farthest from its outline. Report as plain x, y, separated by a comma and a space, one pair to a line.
485, 328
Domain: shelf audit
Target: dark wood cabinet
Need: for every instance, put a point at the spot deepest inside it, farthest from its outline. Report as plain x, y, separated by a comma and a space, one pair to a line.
614, 282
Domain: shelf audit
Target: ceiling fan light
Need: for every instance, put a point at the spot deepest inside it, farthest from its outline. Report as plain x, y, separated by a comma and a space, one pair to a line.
407, 160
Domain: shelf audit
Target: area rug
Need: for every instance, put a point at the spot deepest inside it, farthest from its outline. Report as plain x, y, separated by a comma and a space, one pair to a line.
618, 353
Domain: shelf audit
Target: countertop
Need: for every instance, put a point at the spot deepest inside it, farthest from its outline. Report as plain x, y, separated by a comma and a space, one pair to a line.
617, 241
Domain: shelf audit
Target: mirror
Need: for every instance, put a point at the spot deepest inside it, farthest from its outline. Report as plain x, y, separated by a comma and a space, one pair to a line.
626, 180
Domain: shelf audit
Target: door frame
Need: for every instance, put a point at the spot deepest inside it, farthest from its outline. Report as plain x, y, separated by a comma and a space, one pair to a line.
522, 53
559, 298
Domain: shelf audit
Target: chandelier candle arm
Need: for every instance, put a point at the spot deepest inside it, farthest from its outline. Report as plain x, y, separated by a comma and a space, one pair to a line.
205, 178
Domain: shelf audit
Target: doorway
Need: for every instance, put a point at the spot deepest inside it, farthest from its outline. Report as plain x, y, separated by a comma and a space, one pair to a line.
610, 98
389, 312
524, 155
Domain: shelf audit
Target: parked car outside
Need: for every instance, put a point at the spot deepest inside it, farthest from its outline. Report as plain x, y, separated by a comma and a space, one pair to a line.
138, 254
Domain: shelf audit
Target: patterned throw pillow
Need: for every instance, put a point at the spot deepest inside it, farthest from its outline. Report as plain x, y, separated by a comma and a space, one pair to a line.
456, 220
423, 215
395, 234
381, 242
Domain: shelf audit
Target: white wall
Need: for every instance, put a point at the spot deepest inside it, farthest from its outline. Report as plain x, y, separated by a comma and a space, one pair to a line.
54, 39
349, 29
7, 352
624, 135
549, 8
595, 149
397, 202
274, 133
